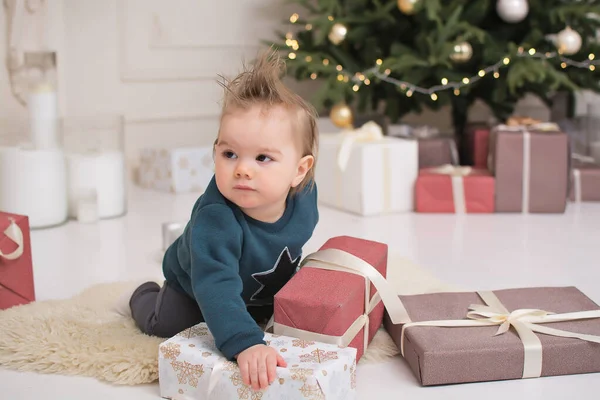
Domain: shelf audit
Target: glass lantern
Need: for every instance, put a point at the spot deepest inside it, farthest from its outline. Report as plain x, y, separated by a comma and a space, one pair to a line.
96, 170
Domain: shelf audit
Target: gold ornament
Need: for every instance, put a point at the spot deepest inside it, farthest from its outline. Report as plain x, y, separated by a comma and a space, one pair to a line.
341, 116
407, 6
338, 33
461, 52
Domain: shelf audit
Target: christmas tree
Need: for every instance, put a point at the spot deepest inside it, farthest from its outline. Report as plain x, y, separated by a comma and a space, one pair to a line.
404, 55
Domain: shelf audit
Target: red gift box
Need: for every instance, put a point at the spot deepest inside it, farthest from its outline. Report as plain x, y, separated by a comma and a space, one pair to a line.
329, 302
451, 189
481, 145
16, 272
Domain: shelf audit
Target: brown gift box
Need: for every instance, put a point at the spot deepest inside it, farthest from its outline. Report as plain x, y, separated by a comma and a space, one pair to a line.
440, 355
437, 151
547, 169
585, 181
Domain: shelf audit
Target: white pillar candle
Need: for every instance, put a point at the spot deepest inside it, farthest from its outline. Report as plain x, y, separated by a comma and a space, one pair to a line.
102, 173
33, 182
43, 117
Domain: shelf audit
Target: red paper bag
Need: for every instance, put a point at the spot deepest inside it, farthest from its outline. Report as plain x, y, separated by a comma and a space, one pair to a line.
16, 272
438, 191
330, 302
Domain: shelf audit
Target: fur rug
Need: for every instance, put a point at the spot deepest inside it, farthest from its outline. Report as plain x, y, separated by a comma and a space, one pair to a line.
85, 336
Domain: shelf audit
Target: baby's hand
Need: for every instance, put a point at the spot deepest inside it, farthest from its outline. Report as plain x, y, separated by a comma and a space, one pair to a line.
257, 365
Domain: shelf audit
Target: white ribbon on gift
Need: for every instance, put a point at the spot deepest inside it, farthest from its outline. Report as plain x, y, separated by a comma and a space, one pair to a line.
541, 127
525, 322
14, 233
339, 260
457, 175
577, 184
369, 132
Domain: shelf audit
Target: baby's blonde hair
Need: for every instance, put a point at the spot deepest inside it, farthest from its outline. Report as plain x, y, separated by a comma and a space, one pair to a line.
261, 84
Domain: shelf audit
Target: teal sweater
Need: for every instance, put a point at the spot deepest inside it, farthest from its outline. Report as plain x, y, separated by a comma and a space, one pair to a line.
233, 265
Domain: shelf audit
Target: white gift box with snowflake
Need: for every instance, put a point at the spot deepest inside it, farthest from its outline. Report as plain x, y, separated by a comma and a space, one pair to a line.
176, 170
191, 367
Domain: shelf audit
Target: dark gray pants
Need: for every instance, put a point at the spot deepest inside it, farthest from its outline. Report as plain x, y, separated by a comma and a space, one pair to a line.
163, 312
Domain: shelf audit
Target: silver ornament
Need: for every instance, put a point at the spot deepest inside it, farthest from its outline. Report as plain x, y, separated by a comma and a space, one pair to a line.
512, 10
568, 41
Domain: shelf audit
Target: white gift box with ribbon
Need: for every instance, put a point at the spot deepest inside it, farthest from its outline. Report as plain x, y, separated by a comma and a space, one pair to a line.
177, 170
191, 367
363, 172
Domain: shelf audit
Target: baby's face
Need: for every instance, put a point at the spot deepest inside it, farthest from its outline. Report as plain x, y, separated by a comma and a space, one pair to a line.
256, 160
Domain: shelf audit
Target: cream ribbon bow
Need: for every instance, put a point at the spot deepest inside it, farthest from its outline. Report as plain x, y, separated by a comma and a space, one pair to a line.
14, 233
453, 170
369, 132
583, 159
525, 322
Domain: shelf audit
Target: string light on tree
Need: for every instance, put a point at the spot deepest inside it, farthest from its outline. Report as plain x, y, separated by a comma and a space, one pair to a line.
337, 34
512, 11
409, 89
407, 6
568, 41
461, 52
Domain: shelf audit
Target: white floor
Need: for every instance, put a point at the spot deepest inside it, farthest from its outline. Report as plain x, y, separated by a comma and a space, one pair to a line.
474, 251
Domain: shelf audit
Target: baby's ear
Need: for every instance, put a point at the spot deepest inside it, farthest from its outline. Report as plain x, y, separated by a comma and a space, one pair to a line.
304, 165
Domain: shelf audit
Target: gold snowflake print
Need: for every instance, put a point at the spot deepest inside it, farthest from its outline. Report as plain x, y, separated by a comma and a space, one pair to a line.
353, 376
194, 331
256, 395
302, 343
300, 374
188, 373
230, 366
312, 392
171, 351
191, 345
319, 356
281, 381
244, 392
236, 379
268, 342
206, 354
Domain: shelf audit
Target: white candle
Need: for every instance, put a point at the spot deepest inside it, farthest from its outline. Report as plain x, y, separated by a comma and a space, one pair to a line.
33, 183
43, 117
99, 173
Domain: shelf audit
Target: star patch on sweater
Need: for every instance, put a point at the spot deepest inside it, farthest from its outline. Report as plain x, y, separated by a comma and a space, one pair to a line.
273, 280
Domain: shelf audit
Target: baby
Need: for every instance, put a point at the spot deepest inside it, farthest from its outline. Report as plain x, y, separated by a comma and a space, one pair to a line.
246, 232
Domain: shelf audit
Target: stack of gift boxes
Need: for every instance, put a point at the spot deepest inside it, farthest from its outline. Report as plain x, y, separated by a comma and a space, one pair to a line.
523, 166
328, 313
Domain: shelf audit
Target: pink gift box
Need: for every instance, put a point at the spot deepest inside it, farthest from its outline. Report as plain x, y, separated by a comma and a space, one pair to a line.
329, 302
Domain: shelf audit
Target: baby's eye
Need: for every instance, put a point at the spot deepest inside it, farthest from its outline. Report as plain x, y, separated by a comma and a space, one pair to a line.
263, 158
229, 154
